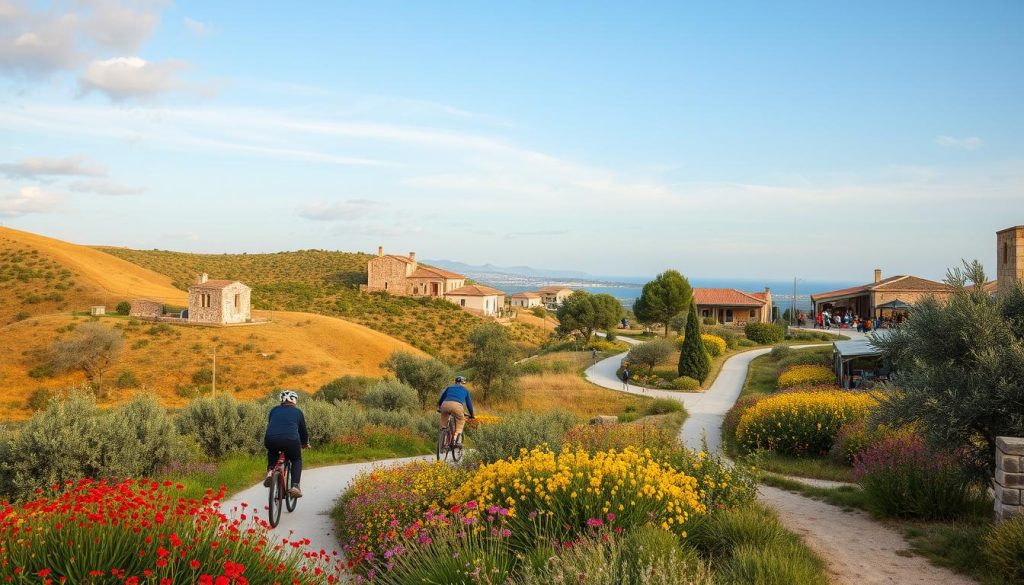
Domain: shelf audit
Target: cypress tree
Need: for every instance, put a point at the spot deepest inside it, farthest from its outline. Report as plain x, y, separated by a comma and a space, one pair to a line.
693, 360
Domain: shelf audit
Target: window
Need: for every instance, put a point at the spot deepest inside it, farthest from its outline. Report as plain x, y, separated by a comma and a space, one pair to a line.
385, 285
752, 312
705, 313
205, 301
1006, 252
728, 315
238, 301
462, 302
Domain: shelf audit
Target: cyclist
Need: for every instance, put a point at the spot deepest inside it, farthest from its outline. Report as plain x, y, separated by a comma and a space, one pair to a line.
455, 400
286, 432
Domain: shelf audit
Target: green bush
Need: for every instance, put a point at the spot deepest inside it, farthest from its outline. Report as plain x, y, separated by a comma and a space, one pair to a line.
344, 388
803, 357
744, 342
522, 430
391, 395
662, 406
686, 384
202, 376
222, 425
123, 308
650, 353
713, 344
127, 379
323, 421
709, 321
1003, 548
427, 375
40, 398
730, 336
764, 333
780, 351
722, 531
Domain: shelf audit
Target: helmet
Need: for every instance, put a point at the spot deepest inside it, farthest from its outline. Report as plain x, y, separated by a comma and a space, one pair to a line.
459, 379
289, 396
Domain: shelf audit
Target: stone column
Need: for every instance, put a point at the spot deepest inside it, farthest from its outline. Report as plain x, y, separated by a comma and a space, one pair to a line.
1009, 478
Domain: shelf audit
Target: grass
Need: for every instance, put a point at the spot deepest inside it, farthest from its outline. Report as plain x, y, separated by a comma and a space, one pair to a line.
761, 376
815, 467
239, 472
845, 497
569, 392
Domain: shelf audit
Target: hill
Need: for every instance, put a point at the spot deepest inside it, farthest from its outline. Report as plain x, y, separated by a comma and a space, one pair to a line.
174, 362
327, 283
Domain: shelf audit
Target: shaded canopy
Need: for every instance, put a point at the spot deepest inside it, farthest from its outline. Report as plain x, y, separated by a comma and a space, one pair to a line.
895, 305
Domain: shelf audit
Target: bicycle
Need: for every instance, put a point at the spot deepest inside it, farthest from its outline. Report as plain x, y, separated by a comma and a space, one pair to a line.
280, 479
446, 445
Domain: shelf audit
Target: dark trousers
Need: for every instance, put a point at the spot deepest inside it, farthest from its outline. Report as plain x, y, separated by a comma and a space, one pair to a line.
292, 449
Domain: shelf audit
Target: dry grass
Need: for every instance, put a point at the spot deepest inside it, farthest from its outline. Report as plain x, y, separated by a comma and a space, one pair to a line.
526, 317
568, 393
251, 361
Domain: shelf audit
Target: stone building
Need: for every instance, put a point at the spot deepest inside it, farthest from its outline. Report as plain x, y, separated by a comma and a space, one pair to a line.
404, 277
868, 300
146, 308
729, 306
219, 302
1009, 257
553, 296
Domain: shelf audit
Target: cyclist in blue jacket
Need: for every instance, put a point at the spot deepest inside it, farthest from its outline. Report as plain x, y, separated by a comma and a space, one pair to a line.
455, 400
286, 432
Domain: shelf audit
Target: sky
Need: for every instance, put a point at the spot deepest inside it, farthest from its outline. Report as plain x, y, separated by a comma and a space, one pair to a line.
817, 140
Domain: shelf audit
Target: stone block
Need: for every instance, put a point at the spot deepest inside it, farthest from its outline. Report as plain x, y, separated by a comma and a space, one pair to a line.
1006, 496
1010, 480
1010, 445
604, 420
1010, 463
1003, 512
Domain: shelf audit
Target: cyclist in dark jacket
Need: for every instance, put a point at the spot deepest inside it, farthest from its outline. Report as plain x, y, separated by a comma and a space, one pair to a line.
286, 432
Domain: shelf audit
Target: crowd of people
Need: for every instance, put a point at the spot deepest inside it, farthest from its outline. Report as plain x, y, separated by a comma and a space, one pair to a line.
846, 319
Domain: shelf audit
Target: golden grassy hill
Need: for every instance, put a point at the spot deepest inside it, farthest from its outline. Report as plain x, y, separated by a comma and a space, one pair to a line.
327, 282
40, 275
295, 350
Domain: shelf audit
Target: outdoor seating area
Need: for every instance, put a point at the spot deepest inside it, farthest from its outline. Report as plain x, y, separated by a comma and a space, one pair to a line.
858, 363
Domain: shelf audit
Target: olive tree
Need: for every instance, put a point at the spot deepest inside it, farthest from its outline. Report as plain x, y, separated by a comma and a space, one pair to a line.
583, 314
650, 353
92, 350
429, 376
492, 360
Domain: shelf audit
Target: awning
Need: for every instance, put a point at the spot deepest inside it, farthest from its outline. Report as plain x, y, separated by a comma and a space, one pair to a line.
854, 348
895, 305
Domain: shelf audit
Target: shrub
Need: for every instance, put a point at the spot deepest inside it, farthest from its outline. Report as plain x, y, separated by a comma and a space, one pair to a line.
663, 406
803, 357
380, 500
780, 351
901, 477
726, 333
735, 414
202, 376
806, 376
686, 384
800, 423
610, 335
713, 344
428, 376
518, 431
723, 484
391, 395
744, 342
123, 308
709, 321
764, 333
650, 353
1003, 548
136, 530
222, 425
853, 438
344, 388
324, 421
40, 398
693, 357
92, 350
641, 435
127, 379
295, 369
624, 489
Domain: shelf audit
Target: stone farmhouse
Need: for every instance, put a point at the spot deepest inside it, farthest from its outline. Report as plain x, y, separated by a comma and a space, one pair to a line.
219, 302
868, 300
525, 300
479, 299
402, 276
146, 308
729, 306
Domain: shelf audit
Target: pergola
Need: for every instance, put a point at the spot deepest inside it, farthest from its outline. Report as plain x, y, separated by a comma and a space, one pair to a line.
894, 305
844, 352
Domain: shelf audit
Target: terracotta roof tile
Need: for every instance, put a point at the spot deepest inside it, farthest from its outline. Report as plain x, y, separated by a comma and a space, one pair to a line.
430, 272
553, 289
214, 284
893, 283
725, 297
526, 295
474, 290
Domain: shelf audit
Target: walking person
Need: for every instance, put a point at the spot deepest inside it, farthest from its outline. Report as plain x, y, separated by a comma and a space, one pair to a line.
625, 379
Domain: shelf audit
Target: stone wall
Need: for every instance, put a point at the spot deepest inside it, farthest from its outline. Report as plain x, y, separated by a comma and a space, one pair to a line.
1009, 478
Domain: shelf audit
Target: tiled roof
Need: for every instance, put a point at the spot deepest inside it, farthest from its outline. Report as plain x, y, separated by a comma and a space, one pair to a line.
893, 283
725, 297
214, 284
405, 259
474, 290
429, 272
526, 295
552, 289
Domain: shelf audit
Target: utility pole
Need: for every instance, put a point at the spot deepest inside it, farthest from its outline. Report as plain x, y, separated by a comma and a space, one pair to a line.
792, 314
214, 369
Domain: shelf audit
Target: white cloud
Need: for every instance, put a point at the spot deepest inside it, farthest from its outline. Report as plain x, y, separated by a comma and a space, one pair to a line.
29, 200
338, 210
105, 188
39, 167
967, 143
121, 78
197, 27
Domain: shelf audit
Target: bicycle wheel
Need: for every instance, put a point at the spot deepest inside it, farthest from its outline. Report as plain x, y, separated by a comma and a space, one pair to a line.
442, 444
290, 501
456, 451
275, 495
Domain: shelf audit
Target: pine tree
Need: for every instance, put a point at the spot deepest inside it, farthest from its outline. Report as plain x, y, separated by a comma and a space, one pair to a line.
693, 360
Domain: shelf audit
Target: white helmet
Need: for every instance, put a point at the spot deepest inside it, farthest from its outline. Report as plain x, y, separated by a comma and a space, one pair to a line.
289, 396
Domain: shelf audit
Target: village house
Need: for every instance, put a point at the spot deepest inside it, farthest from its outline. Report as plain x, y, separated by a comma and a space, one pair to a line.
871, 300
219, 302
146, 308
525, 300
729, 306
553, 296
402, 276
479, 299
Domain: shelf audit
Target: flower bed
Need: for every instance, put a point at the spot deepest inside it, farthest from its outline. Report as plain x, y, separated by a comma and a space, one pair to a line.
713, 344
145, 532
806, 375
800, 423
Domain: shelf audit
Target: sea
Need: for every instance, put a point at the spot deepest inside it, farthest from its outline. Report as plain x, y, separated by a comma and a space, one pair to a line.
627, 289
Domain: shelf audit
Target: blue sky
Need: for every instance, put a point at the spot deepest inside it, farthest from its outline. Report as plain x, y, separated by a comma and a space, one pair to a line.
737, 139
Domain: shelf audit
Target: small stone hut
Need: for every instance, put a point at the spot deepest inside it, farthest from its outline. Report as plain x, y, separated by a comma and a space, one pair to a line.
219, 302
146, 308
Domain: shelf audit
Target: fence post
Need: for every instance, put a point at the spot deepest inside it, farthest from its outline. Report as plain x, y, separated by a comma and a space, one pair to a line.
1008, 482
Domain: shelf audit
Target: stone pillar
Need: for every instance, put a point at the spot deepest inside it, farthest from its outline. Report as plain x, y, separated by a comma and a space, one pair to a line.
1008, 483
